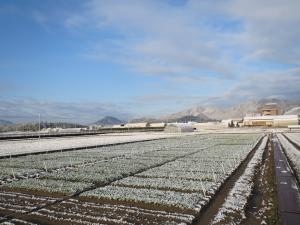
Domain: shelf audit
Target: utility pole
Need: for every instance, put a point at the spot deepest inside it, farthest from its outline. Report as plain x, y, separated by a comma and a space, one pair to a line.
39, 126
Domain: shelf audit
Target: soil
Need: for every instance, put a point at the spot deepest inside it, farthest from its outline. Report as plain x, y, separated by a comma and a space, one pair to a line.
263, 205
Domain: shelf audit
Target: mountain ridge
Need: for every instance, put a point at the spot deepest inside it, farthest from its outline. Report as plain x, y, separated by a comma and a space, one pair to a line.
6, 122
108, 121
213, 113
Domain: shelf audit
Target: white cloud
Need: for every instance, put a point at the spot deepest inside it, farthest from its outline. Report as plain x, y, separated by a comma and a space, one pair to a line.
157, 38
194, 36
282, 84
270, 29
28, 109
200, 42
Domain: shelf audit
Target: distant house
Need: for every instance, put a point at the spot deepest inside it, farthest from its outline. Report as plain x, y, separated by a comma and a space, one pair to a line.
95, 127
70, 130
157, 125
270, 109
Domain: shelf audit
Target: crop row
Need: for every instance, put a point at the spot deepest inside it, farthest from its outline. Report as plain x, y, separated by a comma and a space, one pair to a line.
295, 137
291, 151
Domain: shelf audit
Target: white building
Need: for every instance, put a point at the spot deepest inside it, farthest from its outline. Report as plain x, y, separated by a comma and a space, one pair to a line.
272, 121
137, 125
157, 125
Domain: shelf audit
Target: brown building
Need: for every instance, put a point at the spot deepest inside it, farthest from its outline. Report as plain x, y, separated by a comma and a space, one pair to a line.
270, 109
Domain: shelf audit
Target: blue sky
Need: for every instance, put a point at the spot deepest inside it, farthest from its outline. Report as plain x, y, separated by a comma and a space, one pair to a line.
82, 60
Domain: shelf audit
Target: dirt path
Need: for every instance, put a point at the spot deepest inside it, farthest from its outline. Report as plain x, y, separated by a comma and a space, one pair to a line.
262, 207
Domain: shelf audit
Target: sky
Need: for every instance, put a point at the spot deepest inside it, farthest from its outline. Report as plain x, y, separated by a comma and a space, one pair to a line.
82, 60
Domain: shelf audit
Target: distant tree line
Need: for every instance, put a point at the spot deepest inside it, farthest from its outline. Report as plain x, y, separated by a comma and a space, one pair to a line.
35, 126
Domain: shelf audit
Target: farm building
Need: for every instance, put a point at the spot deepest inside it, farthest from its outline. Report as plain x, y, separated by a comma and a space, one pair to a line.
272, 121
178, 127
95, 127
118, 126
70, 130
157, 125
137, 125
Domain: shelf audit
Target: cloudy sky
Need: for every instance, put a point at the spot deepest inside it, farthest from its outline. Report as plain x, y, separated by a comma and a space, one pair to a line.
81, 60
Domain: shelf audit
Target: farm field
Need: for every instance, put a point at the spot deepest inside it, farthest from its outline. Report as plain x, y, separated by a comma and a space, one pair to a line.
292, 150
15, 147
175, 180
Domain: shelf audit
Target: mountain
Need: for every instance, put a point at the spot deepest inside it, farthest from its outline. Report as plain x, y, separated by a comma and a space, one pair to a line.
109, 120
192, 114
212, 113
293, 111
203, 114
236, 111
5, 122
185, 119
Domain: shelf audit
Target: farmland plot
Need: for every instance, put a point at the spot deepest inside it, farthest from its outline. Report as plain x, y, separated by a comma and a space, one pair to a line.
294, 137
43, 145
291, 151
158, 182
233, 209
35, 165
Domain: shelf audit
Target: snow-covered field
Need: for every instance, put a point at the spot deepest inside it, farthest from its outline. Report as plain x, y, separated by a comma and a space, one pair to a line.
165, 181
50, 144
295, 137
117, 157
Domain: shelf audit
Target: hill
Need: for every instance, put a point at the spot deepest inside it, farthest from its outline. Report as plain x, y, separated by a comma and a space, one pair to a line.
193, 114
240, 110
212, 113
109, 120
5, 122
293, 111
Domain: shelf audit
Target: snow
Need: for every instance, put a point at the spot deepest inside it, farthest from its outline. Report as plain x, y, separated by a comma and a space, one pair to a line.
291, 151
169, 198
182, 172
234, 205
49, 185
49, 144
81, 165
295, 137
